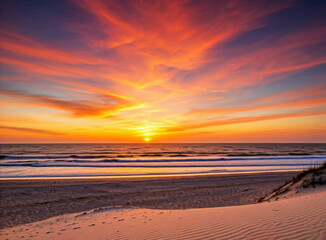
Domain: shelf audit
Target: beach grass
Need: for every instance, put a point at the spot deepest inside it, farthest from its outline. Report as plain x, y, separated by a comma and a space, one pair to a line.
315, 170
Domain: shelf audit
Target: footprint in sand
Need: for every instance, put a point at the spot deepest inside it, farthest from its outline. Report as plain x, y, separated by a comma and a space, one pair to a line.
120, 220
76, 228
49, 232
92, 225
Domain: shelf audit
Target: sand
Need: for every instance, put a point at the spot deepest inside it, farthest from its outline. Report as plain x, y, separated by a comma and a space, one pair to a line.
300, 217
28, 201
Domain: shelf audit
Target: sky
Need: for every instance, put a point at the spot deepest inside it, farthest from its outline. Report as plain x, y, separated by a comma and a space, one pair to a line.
162, 71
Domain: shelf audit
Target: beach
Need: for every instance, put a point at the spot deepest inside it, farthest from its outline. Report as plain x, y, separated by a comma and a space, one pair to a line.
158, 191
26, 201
300, 217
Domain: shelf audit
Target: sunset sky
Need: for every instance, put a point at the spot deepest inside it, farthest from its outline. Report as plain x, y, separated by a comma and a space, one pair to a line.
168, 71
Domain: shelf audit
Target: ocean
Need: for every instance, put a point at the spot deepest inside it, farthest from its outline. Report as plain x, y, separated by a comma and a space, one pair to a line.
153, 159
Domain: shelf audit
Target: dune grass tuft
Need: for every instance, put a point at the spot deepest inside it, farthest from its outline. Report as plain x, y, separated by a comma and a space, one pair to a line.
316, 170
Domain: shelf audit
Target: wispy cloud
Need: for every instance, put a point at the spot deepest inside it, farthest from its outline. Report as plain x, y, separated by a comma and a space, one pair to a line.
76, 108
31, 130
187, 126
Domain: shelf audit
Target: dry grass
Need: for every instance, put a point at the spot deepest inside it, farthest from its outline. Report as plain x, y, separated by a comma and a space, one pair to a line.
315, 170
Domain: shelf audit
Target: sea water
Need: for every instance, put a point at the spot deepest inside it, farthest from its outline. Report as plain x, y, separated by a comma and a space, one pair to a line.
153, 159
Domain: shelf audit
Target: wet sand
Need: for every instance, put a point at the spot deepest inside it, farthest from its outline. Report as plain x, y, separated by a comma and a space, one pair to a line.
26, 201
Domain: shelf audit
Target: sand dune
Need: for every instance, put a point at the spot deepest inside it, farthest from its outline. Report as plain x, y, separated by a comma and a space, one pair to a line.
300, 217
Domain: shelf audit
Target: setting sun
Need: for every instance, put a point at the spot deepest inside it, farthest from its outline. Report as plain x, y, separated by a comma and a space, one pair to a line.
147, 139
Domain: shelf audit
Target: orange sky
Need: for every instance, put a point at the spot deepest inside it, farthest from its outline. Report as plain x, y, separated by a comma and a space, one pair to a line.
169, 71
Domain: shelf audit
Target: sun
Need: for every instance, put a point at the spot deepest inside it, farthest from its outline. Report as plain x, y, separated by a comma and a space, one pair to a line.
147, 139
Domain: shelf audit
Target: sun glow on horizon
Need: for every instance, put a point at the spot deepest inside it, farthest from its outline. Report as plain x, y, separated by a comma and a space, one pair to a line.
147, 139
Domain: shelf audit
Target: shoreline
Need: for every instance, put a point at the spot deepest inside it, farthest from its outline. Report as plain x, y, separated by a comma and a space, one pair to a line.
26, 201
143, 177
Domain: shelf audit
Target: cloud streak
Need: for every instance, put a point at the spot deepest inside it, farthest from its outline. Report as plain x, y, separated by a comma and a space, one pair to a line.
30, 130
185, 126
76, 108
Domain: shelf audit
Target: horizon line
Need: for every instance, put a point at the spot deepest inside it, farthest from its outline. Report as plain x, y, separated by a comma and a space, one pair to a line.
165, 143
